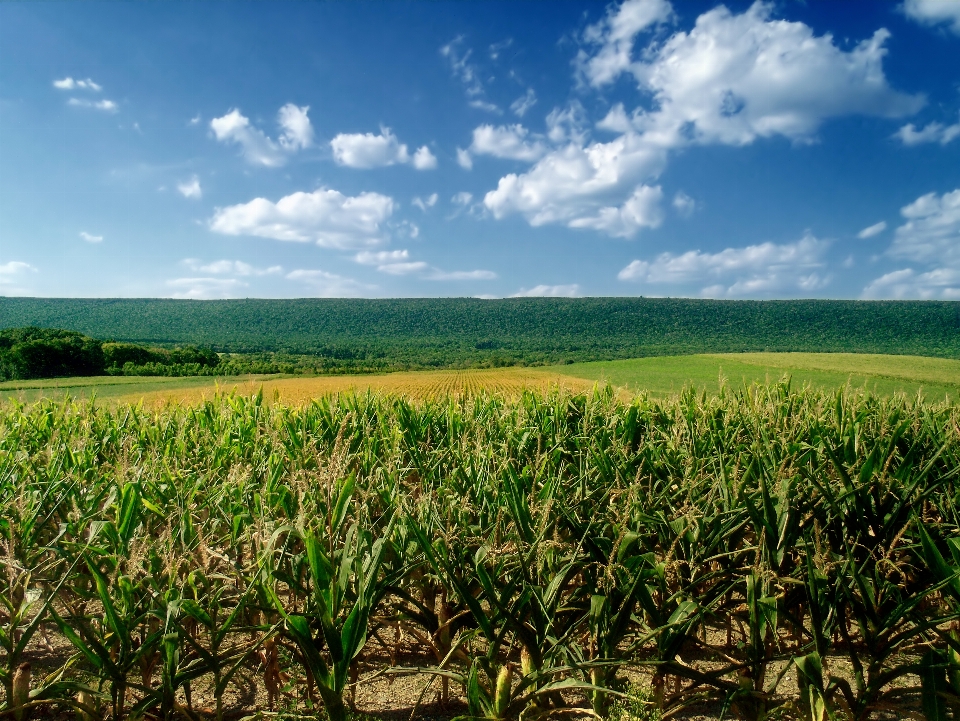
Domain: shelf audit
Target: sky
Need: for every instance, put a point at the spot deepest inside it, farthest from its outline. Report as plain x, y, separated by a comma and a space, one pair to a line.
491, 149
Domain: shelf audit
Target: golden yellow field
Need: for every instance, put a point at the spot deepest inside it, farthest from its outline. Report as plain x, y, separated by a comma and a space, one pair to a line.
419, 385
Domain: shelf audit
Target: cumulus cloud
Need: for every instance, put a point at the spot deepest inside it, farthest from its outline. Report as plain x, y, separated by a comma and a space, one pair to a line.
324, 284
872, 230
934, 12
398, 262
205, 288
107, 106
931, 233
69, 83
462, 198
575, 183
366, 150
766, 268
732, 79
612, 38
423, 159
394, 262
190, 188
230, 267
641, 210
931, 133
296, 134
941, 283
929, 238
424, 203
464, 160
521, 105
325, 217
90, 238
549, 291
513, 142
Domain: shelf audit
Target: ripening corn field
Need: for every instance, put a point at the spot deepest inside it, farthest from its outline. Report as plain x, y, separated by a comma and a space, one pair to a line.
416, 385
765, 552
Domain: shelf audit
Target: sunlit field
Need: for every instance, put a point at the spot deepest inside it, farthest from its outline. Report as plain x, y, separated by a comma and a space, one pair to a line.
935, 378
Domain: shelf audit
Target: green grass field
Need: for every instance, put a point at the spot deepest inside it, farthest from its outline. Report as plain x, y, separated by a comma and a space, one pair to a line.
936, 378
107, 387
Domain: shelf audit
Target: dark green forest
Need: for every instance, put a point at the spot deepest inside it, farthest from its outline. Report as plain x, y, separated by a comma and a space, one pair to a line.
340, 335
31, 352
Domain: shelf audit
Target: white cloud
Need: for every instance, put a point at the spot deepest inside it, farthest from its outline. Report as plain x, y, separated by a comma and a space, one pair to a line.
230, 267
497, 48
69, 83
931, 237
325, 216
90, 238
464, 160
934, 12
461, 67
684, 204
486, 106
900, 284
195, 120
641, 210
462, 198
734, 78
328, 285
872, 230
14, 267
568, 124
512, 142
438, 274
932, 133
205, 288
12, 273
394, 262
297, 130
424, 203
730, 80
521, 105
423, 159
467, 73
397, 262
615, 36
366, 150
296, 134
767, 268
108, 106
576, 183
190, 188
549, 291
932, 231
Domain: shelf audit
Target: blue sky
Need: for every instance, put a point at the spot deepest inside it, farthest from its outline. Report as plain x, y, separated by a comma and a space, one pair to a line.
381, 149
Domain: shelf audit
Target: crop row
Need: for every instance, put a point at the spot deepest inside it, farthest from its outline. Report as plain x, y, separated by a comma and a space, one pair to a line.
537, 551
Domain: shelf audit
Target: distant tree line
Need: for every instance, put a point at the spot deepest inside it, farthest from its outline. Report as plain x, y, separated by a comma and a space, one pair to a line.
335, 335
28, 353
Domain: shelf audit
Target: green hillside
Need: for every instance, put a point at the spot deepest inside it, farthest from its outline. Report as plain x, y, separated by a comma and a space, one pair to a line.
437, 332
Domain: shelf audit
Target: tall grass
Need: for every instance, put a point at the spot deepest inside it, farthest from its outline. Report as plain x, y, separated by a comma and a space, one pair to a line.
542, 551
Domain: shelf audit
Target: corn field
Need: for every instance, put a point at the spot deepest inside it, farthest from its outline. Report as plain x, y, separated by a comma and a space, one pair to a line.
769, 552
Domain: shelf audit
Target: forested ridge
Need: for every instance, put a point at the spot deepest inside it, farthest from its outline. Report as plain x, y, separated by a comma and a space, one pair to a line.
451, 331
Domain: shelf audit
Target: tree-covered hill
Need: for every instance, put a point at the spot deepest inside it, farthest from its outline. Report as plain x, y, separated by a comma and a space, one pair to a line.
451, 331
